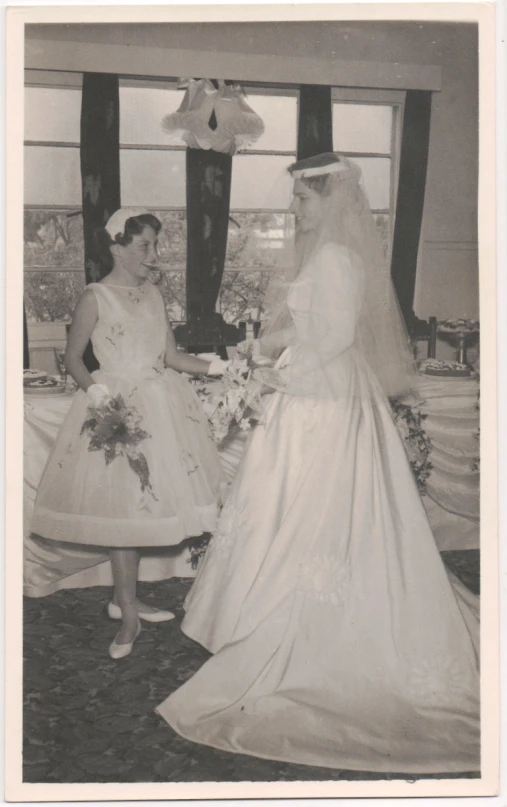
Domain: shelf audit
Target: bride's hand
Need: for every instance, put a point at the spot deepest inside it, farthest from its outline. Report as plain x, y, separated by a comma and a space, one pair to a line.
262, 361
269, 378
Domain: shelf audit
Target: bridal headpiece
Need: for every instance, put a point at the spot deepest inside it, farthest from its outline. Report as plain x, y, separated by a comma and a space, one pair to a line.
334, 167
116, 223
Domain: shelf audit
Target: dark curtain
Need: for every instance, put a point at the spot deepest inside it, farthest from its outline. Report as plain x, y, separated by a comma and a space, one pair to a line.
208, 199
26, 354
208, 175
100, 168
410, 202
315, 124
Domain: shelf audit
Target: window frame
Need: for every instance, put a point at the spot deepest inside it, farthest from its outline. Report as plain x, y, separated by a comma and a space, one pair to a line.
45, 79
396, 100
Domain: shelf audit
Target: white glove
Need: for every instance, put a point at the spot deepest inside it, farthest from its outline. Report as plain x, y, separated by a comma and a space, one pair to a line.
98, 394
252, 345
217, 367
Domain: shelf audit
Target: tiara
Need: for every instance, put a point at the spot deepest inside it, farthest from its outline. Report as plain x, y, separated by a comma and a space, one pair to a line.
332, 168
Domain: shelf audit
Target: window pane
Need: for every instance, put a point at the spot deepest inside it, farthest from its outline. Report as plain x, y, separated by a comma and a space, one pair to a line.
256, 180
255, 239
52, 114
172, 286
279, 114
153, 178
172, 240
362, 127
377, 180
52, 296
142, 110
52, 176
53, 238
242, 295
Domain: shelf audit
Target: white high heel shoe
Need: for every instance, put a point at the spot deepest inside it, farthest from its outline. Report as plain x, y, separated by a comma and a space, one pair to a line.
118, 651
114, 612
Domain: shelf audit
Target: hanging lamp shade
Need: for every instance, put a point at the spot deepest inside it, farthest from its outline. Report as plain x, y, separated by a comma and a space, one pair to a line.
237, 125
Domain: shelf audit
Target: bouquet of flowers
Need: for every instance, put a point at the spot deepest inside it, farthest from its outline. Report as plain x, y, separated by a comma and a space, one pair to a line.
115, 429
237, 400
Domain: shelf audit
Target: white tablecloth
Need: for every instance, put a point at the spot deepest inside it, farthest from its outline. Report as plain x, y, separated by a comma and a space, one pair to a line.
452, 424
452, 502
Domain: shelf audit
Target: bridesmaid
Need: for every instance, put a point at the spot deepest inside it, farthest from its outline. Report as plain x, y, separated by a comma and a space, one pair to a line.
164, 482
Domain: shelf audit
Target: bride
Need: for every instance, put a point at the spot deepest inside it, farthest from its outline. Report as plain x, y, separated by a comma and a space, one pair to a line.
339, 639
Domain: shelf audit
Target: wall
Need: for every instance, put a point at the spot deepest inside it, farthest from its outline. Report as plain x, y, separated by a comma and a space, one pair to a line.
410, 55
449, 239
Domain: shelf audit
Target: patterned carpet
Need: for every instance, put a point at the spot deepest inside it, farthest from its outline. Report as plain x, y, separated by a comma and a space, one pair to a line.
90, 719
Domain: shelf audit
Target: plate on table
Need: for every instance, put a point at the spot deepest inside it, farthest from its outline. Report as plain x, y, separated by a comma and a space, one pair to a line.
46, 386
445, 369
449, 373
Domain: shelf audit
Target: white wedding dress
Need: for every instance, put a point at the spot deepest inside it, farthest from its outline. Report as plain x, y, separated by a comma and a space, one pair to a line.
339, 639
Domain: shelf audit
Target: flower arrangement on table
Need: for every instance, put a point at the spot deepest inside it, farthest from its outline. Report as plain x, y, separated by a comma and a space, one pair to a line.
460, 332
115, 429
448, 369
458, 326
417, 443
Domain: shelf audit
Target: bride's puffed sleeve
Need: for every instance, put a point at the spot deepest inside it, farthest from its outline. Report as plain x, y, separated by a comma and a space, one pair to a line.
325, 320
277, 340
330, 325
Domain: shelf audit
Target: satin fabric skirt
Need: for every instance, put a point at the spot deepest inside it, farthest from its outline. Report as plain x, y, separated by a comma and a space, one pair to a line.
339, 639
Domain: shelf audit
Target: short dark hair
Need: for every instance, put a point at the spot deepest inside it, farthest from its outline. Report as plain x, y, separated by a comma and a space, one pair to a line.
133, 226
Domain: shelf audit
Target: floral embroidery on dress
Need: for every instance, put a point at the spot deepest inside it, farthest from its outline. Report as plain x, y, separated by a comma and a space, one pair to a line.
222, 543
116, 331
136, 295
67, 451
436, 680
223, 540
189, 462
325, 579
159, 365
144, 507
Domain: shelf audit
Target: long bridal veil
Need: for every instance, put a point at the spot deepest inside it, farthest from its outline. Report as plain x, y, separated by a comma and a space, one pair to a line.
380, 334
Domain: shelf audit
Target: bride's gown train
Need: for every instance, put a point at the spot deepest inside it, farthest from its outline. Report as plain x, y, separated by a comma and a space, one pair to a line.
339, 639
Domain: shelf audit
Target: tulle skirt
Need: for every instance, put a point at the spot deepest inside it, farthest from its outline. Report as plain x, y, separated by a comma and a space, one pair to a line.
83, 499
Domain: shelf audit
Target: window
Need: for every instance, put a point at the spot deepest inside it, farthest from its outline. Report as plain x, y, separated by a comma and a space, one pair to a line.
53, 230
152, 174
258, 216
366, 127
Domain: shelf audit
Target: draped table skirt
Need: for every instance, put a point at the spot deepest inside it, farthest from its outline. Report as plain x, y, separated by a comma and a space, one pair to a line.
451, 409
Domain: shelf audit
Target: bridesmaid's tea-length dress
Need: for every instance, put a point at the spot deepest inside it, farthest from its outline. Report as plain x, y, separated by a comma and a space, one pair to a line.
83, 500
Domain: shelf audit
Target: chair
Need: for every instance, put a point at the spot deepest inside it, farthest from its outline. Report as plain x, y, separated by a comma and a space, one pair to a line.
427, 332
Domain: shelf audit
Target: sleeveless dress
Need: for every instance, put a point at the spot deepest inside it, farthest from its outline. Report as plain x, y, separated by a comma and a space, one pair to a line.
81, 499
339, 638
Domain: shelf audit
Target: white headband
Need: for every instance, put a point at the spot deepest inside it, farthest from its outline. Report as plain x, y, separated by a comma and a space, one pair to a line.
321, 170
116, 223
